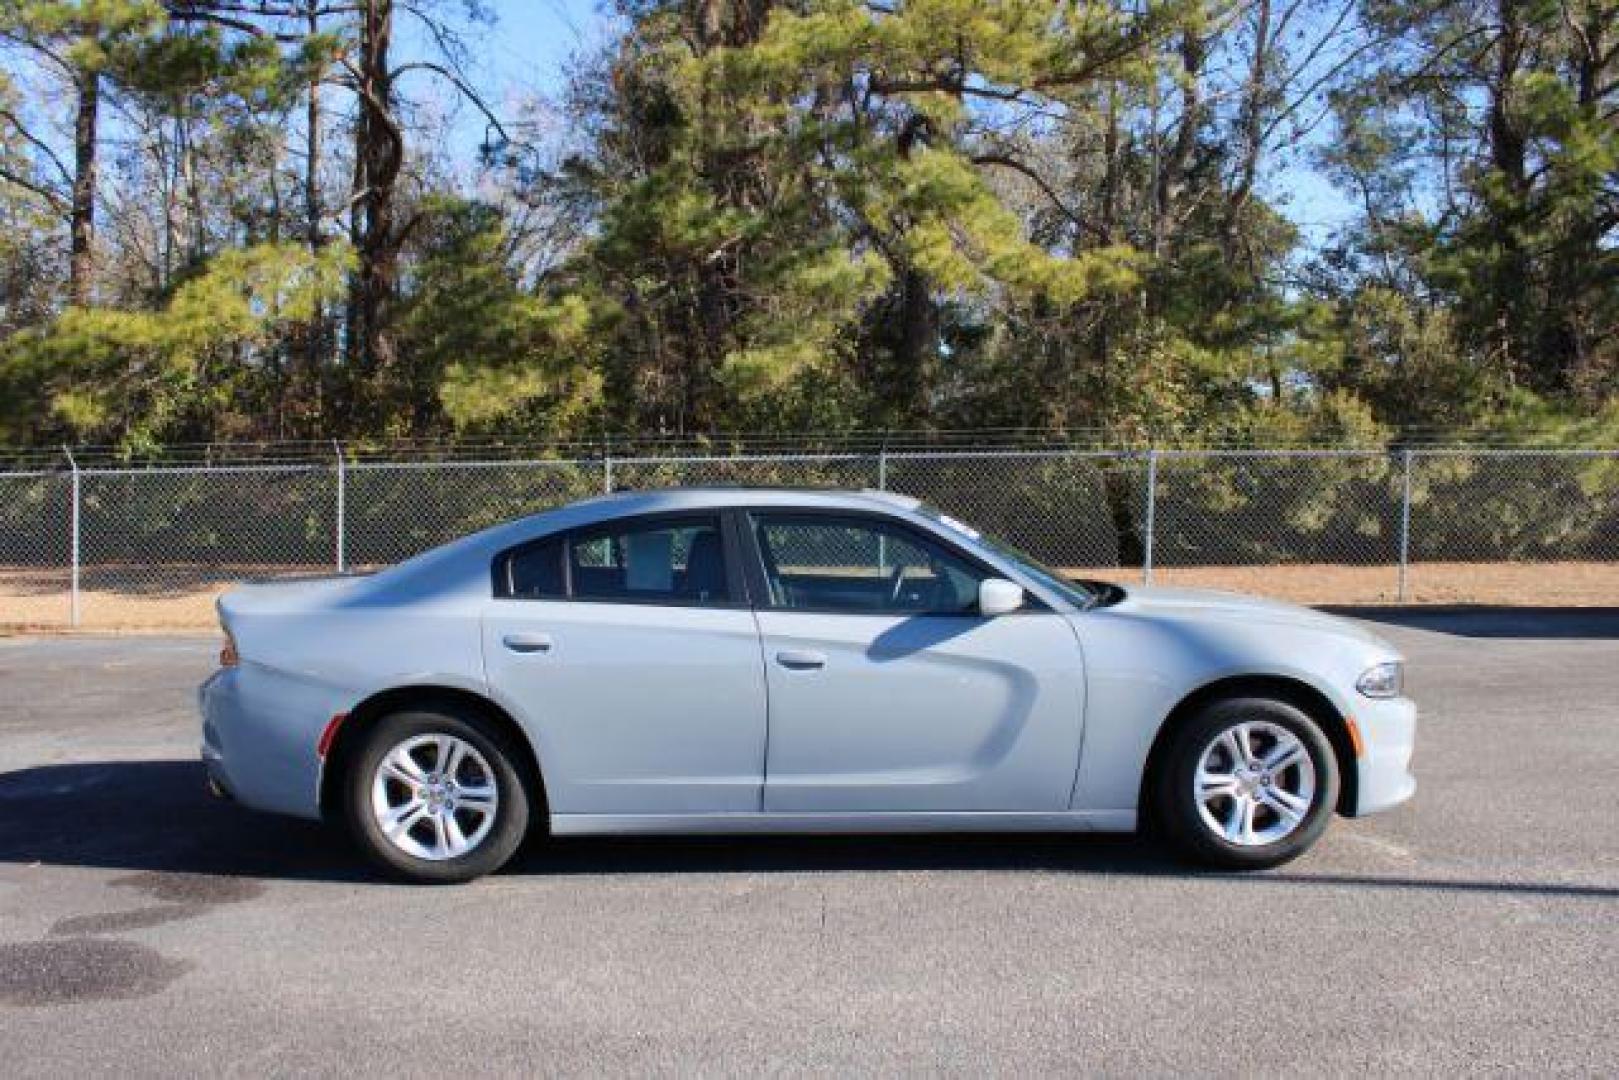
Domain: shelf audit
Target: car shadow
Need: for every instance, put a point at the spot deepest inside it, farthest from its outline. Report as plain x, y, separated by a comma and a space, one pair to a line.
155, 816
1485, 621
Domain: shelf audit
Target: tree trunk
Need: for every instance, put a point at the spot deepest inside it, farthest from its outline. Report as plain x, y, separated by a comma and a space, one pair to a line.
315, 336
1108, 223
728, 22
312, 148
379, 155
918, 346
1508, 156
1567, 338
1171, 179
82, 216
1251, 126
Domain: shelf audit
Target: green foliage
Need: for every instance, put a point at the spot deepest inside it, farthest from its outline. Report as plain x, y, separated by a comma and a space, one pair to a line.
782, 207
126, 375
1512, 240
488, 350
99, 35
833, 214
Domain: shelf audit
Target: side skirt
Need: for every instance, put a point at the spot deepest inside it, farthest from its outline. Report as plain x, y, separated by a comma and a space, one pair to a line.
864, 822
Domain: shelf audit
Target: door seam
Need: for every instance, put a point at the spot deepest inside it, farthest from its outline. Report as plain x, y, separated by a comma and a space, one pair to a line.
764, 678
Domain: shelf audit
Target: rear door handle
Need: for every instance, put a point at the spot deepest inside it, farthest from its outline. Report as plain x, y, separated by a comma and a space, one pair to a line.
801, 659
527, 643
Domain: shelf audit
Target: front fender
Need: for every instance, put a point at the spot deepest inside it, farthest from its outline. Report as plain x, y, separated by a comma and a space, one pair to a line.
1138, 668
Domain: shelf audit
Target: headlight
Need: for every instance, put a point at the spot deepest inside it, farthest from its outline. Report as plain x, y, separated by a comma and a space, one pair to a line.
1383, 681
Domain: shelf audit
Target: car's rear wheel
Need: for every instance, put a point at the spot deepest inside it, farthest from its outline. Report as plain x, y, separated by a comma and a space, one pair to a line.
1247, 783
436, 797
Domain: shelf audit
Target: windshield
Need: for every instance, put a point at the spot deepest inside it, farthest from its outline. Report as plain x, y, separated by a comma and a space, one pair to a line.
1071, 591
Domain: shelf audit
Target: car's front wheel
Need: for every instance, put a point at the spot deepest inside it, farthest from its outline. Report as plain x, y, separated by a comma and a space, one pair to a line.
436, 797
1248, 783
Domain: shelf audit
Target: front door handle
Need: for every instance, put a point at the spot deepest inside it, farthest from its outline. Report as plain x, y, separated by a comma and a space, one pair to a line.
527, 643
801, 659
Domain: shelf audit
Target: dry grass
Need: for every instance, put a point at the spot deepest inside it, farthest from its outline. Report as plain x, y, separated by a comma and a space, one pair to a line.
182, 598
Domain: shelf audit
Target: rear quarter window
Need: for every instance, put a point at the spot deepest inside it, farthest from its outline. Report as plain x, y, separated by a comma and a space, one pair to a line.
533, 572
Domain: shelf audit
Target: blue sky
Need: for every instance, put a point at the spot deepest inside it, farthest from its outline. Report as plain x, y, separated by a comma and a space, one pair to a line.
534, 38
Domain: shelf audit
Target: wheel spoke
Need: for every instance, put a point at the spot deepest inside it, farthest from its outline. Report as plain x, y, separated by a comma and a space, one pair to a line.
1236, 744
441, 844
412, 780
1245, 742
1284, 754
1212, 785
1239, 825
399, 820
404, 767
455, 840
1290, 806
451, 763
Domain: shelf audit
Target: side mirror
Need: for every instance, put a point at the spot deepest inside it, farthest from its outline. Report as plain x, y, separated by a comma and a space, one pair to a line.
997, 596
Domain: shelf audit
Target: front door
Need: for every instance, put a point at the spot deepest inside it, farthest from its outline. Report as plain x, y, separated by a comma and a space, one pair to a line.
629, 650
889, 692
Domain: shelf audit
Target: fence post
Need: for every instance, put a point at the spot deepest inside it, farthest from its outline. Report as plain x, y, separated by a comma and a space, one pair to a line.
882, 485
1405, 521
1149, 525
74, 542
607, 467
342, 509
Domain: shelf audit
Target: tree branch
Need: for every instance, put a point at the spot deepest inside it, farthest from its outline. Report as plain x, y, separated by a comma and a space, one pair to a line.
461, 85
1008, 162
58, 203
38, 143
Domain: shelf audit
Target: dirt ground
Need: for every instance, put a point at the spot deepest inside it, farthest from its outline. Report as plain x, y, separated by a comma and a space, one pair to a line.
182, 598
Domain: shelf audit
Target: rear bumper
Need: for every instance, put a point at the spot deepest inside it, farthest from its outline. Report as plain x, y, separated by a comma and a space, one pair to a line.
260, 729
1388, 733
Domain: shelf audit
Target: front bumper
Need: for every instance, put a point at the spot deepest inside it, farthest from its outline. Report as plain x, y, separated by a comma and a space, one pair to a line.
260, 729
1388, 731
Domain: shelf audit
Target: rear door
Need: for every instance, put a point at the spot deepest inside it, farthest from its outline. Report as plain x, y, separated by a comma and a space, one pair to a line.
631, 651
888, 691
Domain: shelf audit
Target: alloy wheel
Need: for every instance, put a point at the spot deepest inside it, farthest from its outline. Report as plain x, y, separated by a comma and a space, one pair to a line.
1254, 784
434, 797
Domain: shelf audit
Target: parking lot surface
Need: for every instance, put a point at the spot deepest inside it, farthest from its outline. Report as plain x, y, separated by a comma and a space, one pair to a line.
145, 928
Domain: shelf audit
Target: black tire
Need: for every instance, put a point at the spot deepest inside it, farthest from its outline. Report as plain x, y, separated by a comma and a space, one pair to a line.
511, 814
1175, 810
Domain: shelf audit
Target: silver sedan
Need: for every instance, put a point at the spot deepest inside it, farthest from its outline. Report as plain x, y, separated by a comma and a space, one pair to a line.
730, 661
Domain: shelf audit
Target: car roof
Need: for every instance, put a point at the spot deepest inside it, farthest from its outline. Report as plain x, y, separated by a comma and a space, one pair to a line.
478, 547
652, 500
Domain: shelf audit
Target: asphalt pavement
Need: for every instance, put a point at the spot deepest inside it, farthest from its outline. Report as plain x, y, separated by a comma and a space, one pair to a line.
145, 928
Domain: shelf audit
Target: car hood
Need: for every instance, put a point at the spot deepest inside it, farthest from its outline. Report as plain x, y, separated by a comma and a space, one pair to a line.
1209, 605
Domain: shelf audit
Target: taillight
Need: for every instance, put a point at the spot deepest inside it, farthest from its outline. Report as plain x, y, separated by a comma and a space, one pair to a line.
228, 656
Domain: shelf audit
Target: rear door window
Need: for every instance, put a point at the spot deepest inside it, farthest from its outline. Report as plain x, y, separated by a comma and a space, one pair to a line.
656, 561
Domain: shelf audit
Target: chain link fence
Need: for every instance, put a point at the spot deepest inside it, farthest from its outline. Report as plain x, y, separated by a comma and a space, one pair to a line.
125, 548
